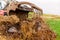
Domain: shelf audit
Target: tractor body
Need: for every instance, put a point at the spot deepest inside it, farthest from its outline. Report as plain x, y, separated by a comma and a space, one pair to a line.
21, 9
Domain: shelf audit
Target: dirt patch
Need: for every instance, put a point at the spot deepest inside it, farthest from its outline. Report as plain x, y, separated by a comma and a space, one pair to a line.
11, 28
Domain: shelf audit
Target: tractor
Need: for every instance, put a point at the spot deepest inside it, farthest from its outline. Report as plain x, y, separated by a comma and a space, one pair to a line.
14, 24
21, 9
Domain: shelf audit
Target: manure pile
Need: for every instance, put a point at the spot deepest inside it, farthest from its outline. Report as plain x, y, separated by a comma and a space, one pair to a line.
11, 28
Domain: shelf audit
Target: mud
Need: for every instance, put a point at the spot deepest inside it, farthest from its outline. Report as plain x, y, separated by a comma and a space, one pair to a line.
28, 29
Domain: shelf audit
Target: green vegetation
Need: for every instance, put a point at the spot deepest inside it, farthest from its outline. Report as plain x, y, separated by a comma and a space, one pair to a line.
55, 26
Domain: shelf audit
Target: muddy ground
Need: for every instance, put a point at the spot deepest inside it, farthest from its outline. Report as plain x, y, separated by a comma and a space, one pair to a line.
11, 28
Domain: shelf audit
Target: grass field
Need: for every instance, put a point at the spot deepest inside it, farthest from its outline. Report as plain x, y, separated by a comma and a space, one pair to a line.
54, 24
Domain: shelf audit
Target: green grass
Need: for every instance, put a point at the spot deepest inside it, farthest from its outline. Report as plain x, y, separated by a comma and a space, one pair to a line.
55, 26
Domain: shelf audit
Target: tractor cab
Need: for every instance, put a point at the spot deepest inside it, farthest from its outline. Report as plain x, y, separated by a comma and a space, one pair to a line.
21, 9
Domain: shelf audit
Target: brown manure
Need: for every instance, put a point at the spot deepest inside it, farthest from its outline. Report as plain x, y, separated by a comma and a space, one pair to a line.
11, 28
